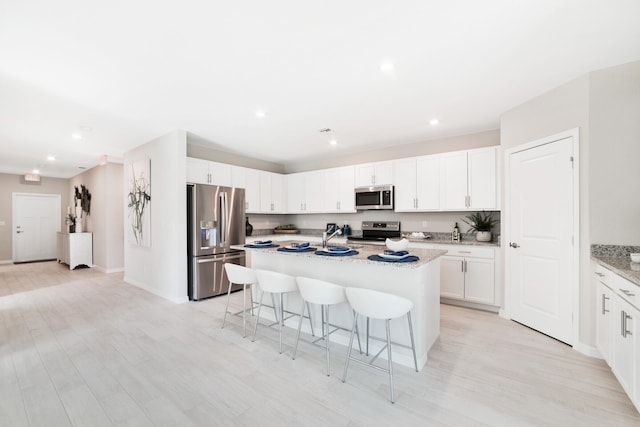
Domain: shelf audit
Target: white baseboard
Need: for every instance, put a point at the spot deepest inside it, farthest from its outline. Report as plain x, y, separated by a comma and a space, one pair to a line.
587, 350
108, 270
6, 261
143, 286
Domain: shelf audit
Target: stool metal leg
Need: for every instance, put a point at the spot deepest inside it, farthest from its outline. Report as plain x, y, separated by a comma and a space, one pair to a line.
353, 331
413, 345
390, 361
281, 318
226, 309
326, 338
313, 334
244, 309
295, 348
255, 328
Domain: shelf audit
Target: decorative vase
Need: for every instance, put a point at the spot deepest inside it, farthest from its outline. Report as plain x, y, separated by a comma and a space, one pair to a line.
248, 227
72, 228
79, 225
483, 236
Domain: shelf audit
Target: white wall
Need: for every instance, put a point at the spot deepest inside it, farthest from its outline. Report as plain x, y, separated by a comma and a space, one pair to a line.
614, 149
10, 183
605, 106
104, 182
161, 268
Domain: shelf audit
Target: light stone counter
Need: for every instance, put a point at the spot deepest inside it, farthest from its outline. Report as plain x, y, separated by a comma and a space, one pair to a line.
418, 281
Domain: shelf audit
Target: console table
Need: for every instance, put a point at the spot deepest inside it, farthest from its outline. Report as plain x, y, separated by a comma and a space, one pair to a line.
75, 249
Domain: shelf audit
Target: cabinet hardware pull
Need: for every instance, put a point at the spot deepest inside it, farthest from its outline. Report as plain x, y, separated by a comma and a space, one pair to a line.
462, 266
599, 274
626, 317
604, 309
627, 293
514, 245
622, 322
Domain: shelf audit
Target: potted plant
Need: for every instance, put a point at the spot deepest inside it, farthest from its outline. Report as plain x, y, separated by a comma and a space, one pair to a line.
482, 223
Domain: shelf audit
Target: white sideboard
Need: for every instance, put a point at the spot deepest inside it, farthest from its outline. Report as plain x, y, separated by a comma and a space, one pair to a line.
75, 249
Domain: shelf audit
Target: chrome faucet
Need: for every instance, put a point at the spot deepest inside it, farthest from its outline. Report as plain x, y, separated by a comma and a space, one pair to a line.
326, 238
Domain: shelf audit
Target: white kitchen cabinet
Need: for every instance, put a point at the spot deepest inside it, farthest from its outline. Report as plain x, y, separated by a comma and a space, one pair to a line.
272, 195
206, 172
249, 179
338, 190
75, 249
380, 173
618, 330
417, 184
605, 315
305, 192
624, 351
468, 274
468, 180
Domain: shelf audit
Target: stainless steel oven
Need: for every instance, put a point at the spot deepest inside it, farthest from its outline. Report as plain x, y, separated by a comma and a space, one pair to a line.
374, 198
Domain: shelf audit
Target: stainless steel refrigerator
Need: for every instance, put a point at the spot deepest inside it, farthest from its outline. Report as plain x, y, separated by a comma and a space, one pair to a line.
215, 221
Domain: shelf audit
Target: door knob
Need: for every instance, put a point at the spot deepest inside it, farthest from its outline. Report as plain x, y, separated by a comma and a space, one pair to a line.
514, 245
18, 231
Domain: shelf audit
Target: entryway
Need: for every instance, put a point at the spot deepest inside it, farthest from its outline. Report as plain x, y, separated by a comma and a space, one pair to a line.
36, 220
541, 227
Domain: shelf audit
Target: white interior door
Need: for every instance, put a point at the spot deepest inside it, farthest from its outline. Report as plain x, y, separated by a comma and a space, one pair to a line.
540, 253
36, 220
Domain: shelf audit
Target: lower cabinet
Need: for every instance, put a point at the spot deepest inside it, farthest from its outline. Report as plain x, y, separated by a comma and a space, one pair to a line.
75, 249
604, 318
617, 331
468, 274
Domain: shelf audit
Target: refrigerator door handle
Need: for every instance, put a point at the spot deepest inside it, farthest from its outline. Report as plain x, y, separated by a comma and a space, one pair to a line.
224, 218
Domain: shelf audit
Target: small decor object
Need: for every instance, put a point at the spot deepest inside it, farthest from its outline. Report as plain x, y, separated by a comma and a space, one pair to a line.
286, 229
482, 223
397, 245
248, 227
635, 257
138, 199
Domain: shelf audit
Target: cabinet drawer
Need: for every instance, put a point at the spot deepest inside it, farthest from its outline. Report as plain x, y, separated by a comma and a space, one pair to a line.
604, 275
469, 252
628, 291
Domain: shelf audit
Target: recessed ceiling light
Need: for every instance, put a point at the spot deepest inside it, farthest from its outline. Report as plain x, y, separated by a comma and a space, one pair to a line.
51, 158
434, 122
260, 114
76, 136
387, 66
35, 171
333, 142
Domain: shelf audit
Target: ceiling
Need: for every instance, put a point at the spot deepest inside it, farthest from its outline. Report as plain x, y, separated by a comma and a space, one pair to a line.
121, 73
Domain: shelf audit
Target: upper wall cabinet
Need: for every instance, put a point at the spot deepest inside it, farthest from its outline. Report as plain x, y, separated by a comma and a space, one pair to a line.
272, 196
305, 192
249, 179
205, 172
338, 190
417, 184
468, 180
380, 173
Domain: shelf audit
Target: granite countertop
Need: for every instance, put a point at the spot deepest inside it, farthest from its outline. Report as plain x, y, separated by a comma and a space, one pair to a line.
449, 242
621, 266
425, 255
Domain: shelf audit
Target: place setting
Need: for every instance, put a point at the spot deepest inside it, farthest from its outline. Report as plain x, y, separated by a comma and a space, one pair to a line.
396, 252
298, 247
257, 244
337, 251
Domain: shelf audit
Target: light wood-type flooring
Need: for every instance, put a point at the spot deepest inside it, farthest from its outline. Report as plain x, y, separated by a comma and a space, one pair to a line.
84, 348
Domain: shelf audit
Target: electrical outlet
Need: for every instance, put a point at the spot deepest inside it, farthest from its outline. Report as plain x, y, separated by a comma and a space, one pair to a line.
424, 224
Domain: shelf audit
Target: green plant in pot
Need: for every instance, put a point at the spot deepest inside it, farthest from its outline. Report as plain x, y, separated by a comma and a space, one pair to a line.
481, 223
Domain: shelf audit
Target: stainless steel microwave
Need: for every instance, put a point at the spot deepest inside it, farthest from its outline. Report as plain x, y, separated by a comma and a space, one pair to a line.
376, 197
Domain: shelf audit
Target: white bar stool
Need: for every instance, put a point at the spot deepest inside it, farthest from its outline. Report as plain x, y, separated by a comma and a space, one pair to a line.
378, 305
240, 275
274, 283
324, 294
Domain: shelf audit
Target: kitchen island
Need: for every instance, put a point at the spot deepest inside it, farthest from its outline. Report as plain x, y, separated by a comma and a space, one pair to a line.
418, 281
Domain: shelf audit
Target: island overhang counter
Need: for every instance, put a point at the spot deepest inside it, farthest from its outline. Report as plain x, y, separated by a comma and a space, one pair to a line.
418, 281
